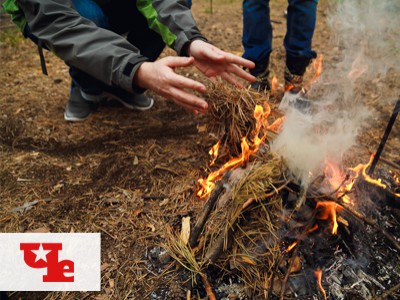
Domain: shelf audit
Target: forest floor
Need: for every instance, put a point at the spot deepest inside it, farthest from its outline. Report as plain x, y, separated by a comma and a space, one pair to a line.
128, 174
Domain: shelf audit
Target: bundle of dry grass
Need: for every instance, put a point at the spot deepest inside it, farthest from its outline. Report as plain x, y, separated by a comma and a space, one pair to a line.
231, 114
241, 236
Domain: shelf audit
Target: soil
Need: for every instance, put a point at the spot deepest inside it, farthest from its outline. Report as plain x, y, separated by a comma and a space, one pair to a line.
127, 174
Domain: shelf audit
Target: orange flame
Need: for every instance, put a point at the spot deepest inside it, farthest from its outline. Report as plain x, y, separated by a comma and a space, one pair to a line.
318, 274
315, 227
328, 211
334, 174
335, 177
396, 178
276, 126
291, 247
317, 64
214, 152
208, 184
274, 84
362, 169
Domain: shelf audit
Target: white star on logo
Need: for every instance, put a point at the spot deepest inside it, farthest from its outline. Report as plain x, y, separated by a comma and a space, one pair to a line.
41, 253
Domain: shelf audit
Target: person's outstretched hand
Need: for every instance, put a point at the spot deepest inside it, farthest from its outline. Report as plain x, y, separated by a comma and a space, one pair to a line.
160, 76
212, 62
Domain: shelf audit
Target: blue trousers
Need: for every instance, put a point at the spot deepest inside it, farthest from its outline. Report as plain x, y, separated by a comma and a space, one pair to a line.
257, 34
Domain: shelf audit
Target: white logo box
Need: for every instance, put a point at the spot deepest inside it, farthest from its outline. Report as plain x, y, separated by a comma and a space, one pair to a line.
42, 266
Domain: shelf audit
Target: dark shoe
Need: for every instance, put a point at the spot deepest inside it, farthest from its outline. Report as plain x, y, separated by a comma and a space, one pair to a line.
77, 109
295, 99
262, 83
295, 94
261, 72
293, 81
131, 101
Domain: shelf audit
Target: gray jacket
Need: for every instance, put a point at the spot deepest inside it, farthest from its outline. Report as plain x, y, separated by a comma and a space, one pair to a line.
101, 53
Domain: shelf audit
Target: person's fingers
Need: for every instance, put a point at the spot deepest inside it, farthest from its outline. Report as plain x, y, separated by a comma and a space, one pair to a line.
187, 83
188, 100
241, 73
231, 79
176, 62
234, 59
212, 52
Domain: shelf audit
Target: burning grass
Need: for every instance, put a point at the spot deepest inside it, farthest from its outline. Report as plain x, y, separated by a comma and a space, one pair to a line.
245, 220
231, 114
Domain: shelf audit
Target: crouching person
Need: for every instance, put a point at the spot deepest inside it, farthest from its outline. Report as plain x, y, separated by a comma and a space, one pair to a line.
112, 46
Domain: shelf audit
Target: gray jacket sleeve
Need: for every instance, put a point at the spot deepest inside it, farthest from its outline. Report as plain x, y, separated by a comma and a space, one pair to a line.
102, 54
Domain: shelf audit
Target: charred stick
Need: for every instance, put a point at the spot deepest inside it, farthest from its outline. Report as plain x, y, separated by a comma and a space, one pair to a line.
302, 198
266, 196
385, 137
285, 279
271, 285
389, 292
294, 254
225, 239
372, 223
390, 163
208, 206
215, 251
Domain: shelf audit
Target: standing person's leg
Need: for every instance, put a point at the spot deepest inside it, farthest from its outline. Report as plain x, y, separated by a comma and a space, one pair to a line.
257, 38
301, 19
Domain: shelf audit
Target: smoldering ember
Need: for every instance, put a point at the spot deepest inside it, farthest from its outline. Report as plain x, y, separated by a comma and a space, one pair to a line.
258, 199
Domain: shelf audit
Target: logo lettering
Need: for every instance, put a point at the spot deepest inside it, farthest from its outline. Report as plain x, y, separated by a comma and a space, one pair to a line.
45, 255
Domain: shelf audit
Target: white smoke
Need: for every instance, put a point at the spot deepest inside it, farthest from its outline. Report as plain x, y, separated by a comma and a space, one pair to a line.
366, 32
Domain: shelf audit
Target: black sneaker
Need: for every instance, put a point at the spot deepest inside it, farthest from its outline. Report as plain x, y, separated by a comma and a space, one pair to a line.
261, 72
296, 99
131, 101
261, 84
77, 109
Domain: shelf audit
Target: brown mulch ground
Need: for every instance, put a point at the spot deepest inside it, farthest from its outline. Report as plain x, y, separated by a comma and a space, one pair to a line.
122, 173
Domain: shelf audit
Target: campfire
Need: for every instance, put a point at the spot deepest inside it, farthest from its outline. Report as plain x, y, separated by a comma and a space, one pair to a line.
262, 229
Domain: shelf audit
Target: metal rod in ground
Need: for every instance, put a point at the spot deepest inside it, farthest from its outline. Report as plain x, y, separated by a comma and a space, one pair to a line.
385, 137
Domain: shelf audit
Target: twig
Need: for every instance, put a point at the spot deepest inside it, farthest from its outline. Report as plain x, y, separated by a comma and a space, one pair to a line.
208, 206
251, 200
208, 287
370, 222
390, 163
302, 198
389, 292
285, 279
215, 251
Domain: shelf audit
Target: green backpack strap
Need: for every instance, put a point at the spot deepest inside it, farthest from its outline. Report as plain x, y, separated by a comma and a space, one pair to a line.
17, 16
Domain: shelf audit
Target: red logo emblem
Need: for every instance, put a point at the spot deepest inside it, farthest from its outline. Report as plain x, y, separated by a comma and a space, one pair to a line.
45, 255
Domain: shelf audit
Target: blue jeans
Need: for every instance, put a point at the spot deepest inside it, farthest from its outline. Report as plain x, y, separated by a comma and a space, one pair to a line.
257, 33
